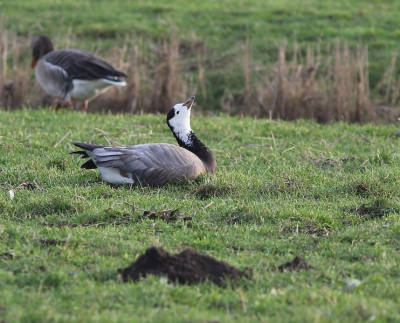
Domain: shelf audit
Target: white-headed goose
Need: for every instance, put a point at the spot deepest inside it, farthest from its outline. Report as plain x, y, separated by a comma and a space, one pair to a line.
154, 164
71, 74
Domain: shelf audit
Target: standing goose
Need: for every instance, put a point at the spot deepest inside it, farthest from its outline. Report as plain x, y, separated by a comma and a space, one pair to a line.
71, 74
154, 164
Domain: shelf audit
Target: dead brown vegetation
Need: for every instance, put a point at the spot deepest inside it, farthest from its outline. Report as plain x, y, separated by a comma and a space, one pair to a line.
333, 86
325, 87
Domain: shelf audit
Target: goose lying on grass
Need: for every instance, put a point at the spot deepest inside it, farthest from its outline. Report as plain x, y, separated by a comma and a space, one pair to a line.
71, 74
154, 164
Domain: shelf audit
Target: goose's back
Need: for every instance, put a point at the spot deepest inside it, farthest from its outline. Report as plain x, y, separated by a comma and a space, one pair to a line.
80, 64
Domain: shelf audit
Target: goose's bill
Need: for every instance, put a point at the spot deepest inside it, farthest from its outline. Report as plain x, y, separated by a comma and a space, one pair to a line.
189, 102
33, 63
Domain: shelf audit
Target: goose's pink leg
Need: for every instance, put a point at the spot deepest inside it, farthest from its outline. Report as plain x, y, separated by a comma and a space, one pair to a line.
84, 106
58, 103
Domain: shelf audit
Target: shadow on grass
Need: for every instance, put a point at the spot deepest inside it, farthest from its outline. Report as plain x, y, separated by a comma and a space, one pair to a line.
52, 206
377, 208
211, 191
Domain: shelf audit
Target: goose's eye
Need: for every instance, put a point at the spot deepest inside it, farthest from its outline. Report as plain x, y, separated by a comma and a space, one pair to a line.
177, 112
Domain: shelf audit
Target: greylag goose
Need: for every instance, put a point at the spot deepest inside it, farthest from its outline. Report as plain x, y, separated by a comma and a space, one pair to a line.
153, 164
71, 74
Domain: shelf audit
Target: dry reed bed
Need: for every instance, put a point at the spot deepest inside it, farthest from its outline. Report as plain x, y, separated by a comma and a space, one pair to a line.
324, 87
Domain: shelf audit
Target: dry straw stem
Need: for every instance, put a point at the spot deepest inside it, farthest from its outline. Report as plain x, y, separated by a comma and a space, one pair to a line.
201, 68
13, 78
65, 136
324, 87
331, 88
167, 76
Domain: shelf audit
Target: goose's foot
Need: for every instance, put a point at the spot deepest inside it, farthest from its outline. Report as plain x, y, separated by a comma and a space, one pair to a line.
58, 103
84, 106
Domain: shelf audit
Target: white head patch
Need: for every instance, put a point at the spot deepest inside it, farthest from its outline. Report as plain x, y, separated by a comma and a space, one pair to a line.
180, 122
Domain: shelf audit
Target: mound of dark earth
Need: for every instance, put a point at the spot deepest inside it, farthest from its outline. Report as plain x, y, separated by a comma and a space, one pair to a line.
187, 267
296, 264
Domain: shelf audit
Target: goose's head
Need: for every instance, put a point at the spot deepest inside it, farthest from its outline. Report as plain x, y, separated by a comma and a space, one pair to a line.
40, 46
178, 118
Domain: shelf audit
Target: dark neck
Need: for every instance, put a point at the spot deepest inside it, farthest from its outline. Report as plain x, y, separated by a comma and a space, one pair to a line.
41, 46
44, 51
195, 146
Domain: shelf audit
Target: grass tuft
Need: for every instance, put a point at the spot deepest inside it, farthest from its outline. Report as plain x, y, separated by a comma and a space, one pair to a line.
65, 233
377, 208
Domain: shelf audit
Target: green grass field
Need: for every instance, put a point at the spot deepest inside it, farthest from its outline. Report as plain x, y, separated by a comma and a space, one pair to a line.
326, 193
221, 26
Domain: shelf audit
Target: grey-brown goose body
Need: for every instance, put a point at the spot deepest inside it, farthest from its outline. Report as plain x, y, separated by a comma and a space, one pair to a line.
75, 74
147, 164
71, 73
154, 164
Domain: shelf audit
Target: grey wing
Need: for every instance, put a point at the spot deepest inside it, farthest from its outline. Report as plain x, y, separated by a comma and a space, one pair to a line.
80, 64
151, 164
53, 78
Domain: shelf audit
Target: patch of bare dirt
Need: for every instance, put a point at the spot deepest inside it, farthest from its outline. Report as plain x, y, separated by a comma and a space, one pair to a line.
209, 191
237, 218
362, 188
42, 268
368, 189
350, 222
310, 197
31, 186
296, 264
167, 215
308, 229
332, 162
171, 215
57, 163
371, 211
8, 255
50, 242
282, 186
377, 208
187, 267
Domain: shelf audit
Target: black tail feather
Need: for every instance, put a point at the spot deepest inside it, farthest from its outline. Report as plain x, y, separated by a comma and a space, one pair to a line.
86, 146
89, 165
